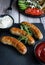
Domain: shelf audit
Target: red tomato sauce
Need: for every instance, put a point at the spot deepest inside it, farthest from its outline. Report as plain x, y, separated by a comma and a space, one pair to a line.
34, 11
40, 51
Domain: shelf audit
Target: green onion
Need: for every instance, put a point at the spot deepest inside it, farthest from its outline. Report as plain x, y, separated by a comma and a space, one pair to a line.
23, 38
21, 27
26, 28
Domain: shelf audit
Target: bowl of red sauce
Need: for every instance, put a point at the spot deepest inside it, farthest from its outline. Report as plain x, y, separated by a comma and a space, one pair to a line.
39, 51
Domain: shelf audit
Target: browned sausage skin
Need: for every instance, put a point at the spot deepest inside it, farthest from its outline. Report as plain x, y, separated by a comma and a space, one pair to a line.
37, 33
19, 32
15, 43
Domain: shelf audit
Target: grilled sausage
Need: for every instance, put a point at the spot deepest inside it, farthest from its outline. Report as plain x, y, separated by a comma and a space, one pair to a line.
15, 43
17, 31
37, 33
31, 40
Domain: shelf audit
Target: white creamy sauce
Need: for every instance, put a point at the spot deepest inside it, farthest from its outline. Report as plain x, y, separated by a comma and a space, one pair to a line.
6, 22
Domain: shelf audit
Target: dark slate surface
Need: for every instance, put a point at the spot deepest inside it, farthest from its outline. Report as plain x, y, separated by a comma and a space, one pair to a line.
10, 56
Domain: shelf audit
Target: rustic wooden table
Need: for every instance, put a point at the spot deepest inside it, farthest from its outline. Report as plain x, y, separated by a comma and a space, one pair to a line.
18, 17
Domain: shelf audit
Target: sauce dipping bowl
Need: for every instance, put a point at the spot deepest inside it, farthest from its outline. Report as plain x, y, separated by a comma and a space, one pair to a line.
1, 16
39, 51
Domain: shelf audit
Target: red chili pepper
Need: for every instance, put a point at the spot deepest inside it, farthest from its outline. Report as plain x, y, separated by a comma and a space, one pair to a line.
34, 11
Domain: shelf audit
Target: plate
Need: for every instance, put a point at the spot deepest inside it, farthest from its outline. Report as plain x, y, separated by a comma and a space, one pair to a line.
10, 56
29, 15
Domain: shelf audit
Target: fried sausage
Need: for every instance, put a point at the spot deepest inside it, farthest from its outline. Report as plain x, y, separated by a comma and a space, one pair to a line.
17, 31
37, 33
15, 43
31, 40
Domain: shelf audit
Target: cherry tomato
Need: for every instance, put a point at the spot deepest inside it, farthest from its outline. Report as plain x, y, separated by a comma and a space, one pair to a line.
33, 11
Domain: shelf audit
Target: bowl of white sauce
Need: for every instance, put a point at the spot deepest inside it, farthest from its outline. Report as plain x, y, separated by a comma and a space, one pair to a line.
6, 21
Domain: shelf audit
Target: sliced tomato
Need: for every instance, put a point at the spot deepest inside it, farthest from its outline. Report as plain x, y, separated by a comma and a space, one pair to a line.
33, 11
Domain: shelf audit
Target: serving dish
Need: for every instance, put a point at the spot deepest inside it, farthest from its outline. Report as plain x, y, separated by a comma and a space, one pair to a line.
24, 11
9, 55
39, 51
8, 16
